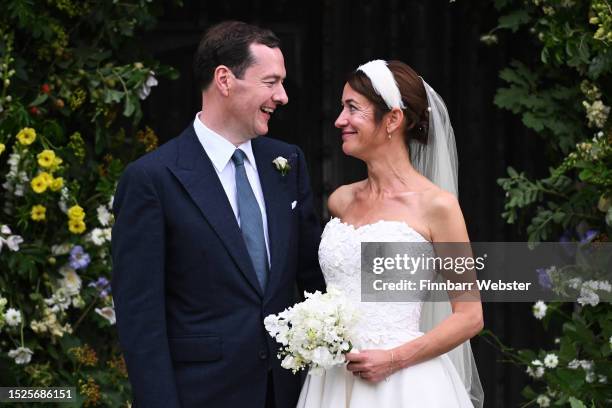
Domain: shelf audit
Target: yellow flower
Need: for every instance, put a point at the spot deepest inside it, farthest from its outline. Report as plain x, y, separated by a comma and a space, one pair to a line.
2, 147
76, 213
56, 162
76, 226
46, 158
57, 184
39, 213
41, 182
26, 136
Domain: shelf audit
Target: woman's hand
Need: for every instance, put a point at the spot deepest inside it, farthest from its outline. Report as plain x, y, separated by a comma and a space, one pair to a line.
371, 365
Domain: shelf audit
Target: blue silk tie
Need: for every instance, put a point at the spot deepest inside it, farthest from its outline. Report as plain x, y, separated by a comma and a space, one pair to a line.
251, 222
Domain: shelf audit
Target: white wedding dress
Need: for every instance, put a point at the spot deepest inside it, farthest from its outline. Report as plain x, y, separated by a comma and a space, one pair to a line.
382, 325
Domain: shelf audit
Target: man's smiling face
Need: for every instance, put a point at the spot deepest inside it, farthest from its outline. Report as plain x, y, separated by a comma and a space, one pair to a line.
259, 92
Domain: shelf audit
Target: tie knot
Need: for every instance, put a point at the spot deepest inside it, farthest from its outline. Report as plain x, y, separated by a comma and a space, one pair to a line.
238, 157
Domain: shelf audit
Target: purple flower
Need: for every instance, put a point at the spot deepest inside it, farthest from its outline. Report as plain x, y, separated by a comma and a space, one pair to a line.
79, 259
588, 236
544, 278
103, 286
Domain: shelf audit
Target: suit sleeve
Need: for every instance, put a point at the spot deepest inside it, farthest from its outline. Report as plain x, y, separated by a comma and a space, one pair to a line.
138, 285
309, 276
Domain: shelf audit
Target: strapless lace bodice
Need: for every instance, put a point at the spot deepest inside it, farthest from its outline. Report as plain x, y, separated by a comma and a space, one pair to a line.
433, 383
381, 324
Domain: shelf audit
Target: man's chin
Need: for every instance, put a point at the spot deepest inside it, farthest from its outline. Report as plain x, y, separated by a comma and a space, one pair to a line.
261, 132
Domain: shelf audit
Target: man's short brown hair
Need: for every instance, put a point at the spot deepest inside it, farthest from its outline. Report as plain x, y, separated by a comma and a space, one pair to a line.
228, 43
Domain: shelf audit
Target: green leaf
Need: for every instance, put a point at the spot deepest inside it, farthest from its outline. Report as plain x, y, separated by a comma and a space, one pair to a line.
510, 98
545, 56
529, 393
53, 131
576, 403
585, 174
514, 20
532, 121
571, 379
600, 64
110, 96
500, 4
41, 98
129, 106
558, 217
52, 352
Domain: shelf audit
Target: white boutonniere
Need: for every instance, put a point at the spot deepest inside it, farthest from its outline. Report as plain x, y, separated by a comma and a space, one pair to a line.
282, 165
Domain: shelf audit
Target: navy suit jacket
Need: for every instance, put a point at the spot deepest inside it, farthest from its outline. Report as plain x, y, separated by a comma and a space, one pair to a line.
189, 307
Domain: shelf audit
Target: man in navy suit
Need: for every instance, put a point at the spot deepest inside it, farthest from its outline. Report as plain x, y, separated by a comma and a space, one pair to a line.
211, 236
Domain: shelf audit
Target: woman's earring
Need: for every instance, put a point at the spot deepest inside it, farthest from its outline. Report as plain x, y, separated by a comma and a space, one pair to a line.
389, 136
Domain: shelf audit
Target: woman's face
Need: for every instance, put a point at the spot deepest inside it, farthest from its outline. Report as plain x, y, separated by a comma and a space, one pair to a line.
360, 132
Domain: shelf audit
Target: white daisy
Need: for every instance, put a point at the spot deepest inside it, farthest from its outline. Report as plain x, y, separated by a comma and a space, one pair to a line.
539, 309
551, 360
12, 317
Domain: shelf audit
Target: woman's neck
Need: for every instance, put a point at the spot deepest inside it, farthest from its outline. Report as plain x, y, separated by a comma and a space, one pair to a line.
389, 172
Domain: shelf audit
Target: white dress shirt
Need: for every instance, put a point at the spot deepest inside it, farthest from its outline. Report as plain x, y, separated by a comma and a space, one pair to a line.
220, 152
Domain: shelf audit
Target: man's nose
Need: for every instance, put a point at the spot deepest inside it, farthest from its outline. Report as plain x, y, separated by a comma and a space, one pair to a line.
280, 96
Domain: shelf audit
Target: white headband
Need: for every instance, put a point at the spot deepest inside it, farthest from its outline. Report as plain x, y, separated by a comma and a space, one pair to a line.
383, 82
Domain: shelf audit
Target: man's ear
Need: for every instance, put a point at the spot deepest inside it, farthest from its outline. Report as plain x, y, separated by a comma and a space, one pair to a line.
394, 120
223, 79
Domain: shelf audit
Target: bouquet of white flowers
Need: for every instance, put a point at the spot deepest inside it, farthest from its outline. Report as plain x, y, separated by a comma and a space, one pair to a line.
314, 333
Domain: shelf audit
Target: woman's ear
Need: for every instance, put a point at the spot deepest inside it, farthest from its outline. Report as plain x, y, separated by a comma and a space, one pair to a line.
394, 120
223, 79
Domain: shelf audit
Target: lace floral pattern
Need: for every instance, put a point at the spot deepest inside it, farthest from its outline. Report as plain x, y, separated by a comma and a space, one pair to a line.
381, 324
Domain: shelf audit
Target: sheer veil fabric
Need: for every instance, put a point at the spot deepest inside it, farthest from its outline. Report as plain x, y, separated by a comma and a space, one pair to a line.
437, 160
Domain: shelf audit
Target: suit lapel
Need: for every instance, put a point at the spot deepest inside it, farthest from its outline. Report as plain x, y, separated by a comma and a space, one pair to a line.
274, 197
196, 173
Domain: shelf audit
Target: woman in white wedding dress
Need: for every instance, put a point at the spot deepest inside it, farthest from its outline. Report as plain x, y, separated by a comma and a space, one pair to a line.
388, 118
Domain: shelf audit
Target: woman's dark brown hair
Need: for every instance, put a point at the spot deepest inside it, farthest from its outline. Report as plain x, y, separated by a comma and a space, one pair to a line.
413, 95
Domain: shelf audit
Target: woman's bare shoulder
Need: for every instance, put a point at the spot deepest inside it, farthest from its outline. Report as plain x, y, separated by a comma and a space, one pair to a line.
341, 198
445, 217
441, 203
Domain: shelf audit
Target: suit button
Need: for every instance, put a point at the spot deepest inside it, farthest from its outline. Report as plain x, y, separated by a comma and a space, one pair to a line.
263, 355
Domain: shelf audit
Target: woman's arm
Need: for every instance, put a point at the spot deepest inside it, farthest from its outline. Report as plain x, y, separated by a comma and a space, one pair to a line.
446, 225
